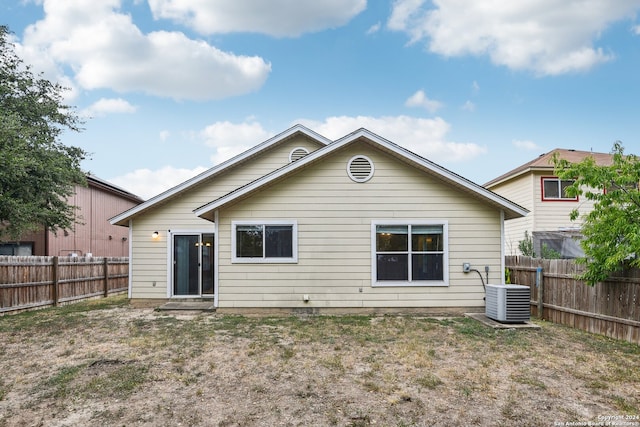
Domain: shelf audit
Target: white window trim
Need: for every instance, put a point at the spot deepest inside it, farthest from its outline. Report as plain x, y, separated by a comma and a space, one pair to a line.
188, 231
416, 283
560, 197
294, 236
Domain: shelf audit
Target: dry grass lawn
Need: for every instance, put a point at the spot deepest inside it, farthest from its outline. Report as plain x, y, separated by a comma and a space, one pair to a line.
103, 363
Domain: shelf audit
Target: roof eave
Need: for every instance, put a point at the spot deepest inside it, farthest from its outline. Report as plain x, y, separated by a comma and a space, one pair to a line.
511, 209
123, 218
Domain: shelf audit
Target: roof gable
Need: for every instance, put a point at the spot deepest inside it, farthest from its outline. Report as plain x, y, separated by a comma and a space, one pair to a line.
123, 218
511, 209
544, 162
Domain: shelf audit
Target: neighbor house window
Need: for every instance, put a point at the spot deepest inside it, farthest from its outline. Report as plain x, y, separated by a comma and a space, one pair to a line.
556, 189
413, 253
264, 241
16, 249
633, 186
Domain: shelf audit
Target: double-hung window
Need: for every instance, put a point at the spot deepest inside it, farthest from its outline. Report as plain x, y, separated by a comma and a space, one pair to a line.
410, 253
556, 189
264, 242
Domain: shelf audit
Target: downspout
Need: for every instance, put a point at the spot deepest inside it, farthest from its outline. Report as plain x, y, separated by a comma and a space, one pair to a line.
216, 219
130, 259
502, 237
46, 241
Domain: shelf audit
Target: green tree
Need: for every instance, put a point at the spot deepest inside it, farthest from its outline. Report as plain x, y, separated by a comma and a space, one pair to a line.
526, 245
37, 172
612, 229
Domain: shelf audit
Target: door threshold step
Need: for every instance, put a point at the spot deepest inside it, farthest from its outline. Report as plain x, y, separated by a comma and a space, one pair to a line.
187, 306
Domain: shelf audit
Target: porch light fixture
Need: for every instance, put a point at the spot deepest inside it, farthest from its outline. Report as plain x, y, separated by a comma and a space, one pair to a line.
155, 235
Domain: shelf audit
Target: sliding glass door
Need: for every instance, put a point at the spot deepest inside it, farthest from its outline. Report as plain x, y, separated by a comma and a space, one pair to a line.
207, 257
193, 264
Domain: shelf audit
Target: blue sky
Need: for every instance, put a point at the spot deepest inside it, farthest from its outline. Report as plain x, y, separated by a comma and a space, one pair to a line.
170, 88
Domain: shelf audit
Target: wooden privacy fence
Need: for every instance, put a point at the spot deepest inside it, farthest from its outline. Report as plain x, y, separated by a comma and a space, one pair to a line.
610, 308
38, 281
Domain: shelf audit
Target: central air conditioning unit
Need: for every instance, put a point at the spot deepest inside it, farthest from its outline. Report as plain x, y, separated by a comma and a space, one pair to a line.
508, 303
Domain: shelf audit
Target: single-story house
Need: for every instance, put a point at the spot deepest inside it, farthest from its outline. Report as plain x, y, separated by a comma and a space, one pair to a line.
300, 222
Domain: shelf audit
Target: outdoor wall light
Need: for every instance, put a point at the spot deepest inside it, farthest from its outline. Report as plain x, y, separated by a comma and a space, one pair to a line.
155, 235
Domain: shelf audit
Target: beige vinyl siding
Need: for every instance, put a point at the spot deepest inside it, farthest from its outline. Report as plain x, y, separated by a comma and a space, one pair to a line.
548, 215
521, 191
149, 257
334, 216
552, 215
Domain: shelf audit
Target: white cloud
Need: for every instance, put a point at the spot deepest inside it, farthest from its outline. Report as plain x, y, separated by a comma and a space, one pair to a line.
426, 137
147, 183
525, 145
374, 28
230, 139
164, 135
469, 106
548, 37
105, 49
419, 99
105, 106
280, 18
401, 14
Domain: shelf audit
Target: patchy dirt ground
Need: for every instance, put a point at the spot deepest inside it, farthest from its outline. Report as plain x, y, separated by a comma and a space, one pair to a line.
106, 364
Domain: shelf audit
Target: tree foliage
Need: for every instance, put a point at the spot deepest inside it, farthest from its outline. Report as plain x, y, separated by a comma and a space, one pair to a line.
612, 229
37, 172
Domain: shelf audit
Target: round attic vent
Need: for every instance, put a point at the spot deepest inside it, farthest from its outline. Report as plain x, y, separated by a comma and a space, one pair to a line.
297, 153
360, 168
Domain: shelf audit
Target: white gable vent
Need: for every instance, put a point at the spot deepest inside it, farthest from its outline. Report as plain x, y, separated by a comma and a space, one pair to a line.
297, 153
360, 168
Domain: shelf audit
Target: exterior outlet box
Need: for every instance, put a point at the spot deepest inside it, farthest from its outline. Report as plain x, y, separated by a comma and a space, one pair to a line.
508, 303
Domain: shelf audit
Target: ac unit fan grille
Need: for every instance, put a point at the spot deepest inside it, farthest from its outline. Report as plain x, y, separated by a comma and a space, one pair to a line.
508, 303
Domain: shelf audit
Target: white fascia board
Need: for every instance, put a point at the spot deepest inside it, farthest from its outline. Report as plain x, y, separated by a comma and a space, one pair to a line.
311, 157
264, 180
445, 173
123, 217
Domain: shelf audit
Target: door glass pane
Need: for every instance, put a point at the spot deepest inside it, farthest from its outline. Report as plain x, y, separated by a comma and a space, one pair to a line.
393, 267
207, 264
185, 265
278, 241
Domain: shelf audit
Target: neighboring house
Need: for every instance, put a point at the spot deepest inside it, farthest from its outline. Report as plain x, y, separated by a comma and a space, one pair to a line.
92, 233
535, 187
302, 222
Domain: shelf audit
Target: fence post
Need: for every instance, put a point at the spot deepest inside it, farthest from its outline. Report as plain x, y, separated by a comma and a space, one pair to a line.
106, 277
540, 286
54, 279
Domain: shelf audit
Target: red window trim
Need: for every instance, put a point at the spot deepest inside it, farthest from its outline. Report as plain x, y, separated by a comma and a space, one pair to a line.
542, 198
